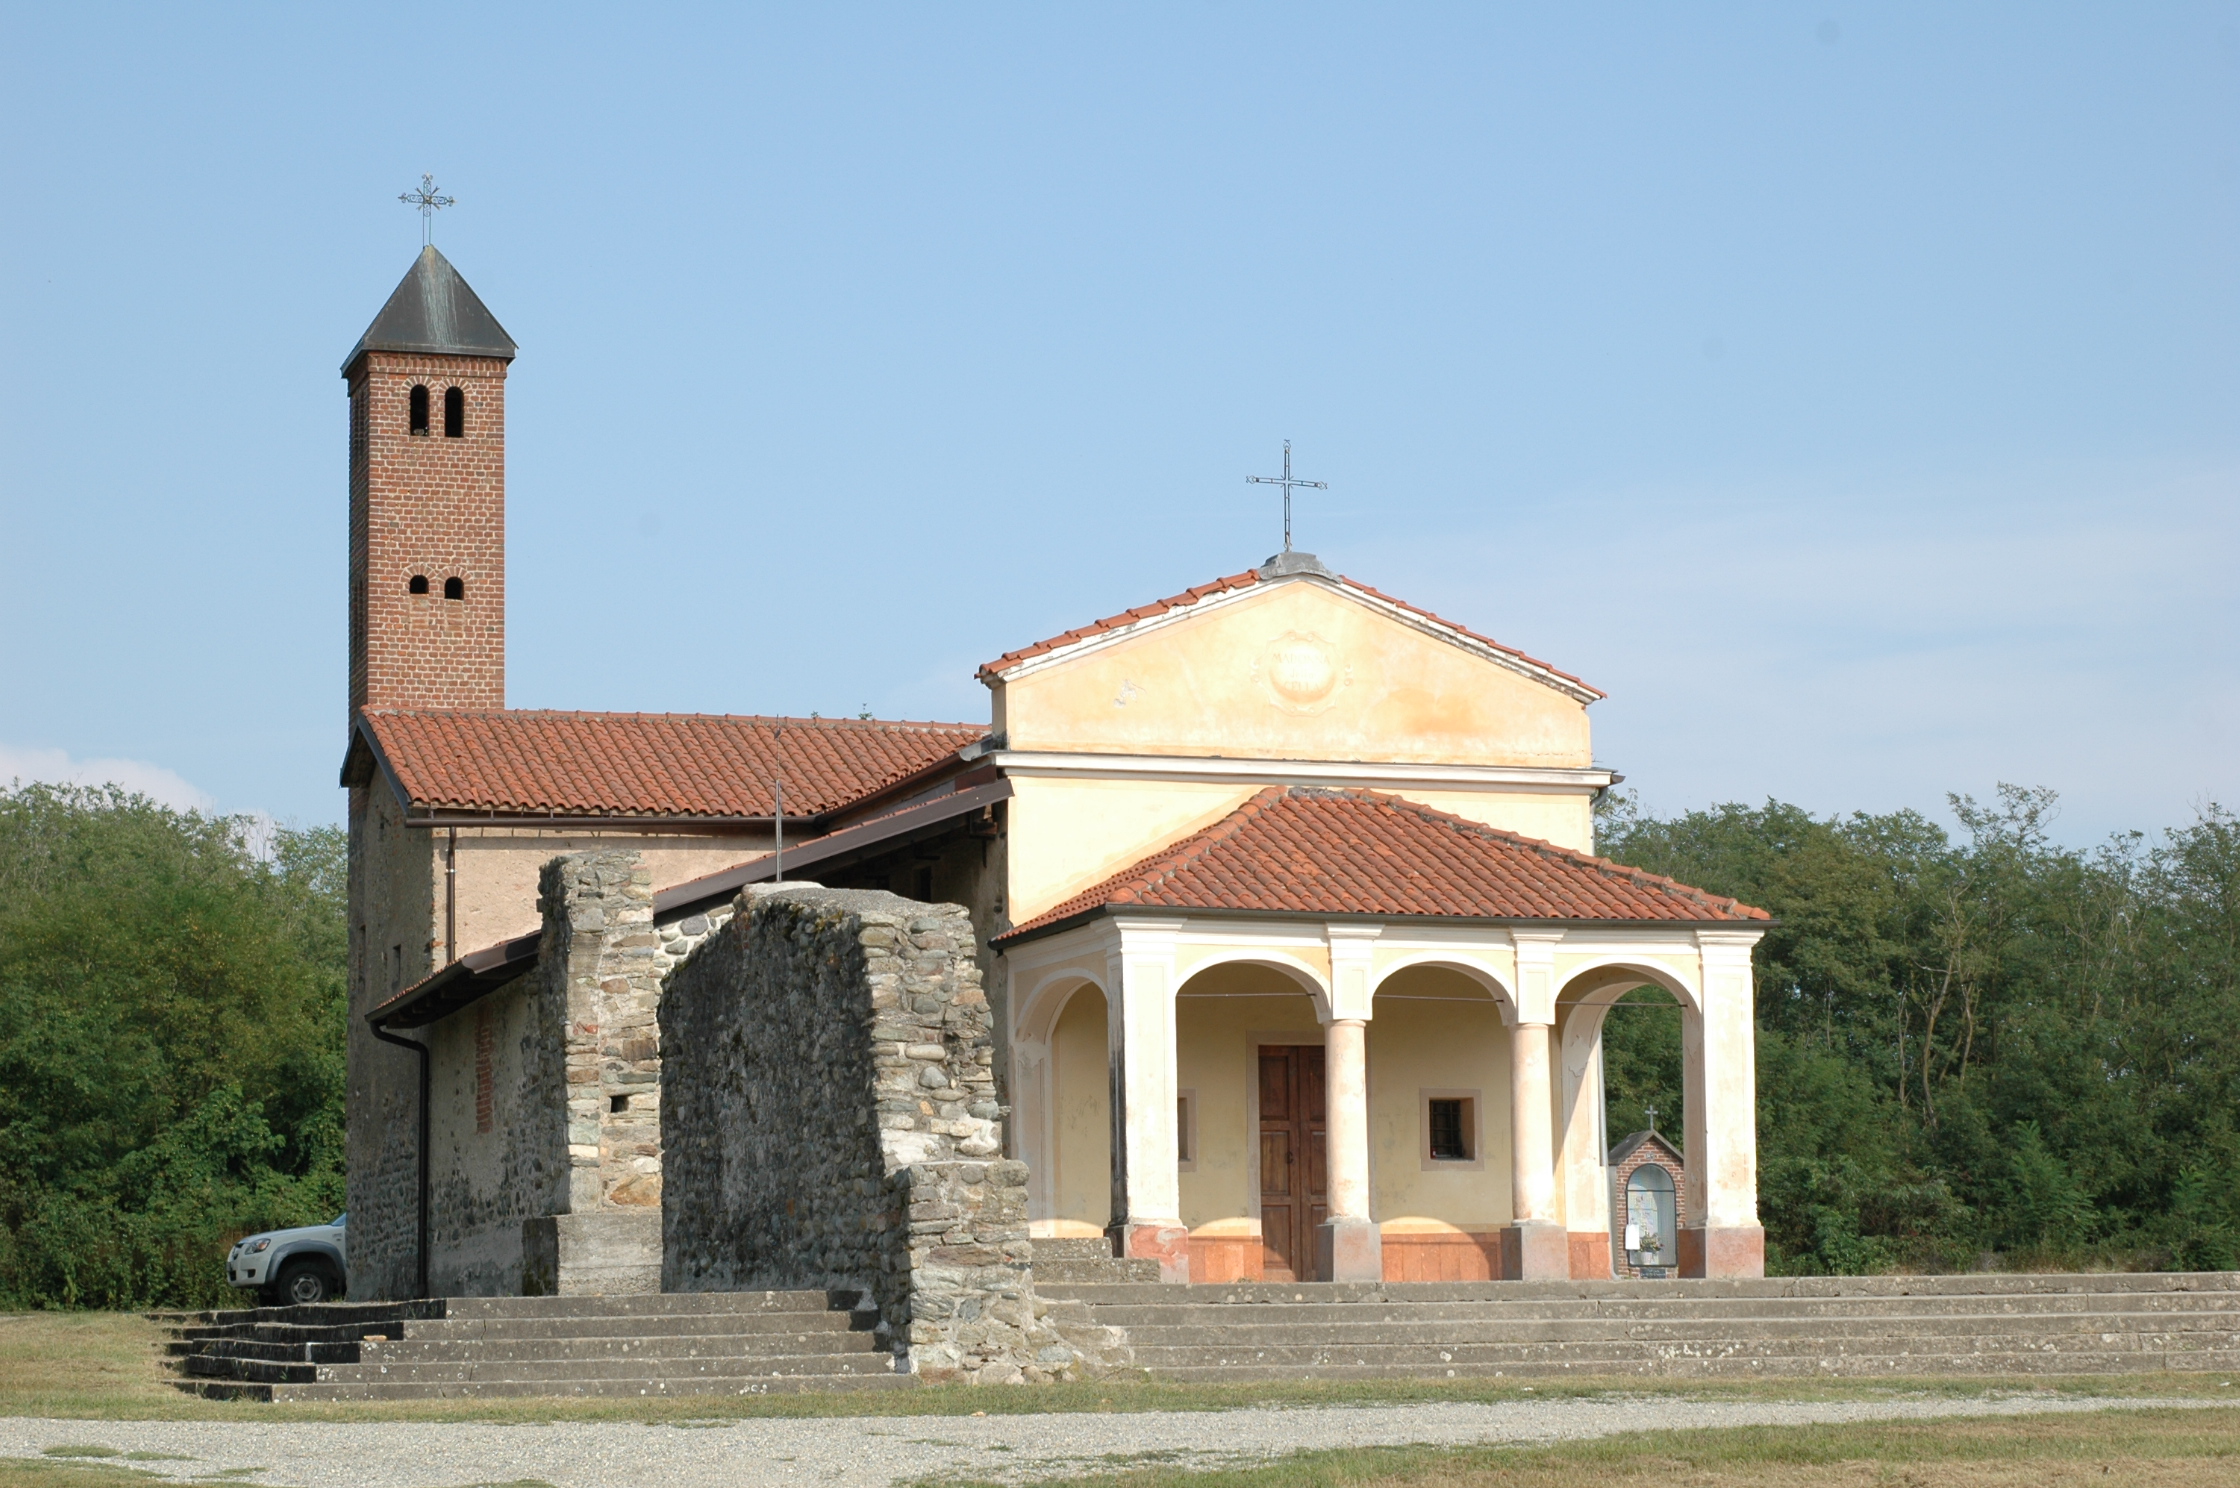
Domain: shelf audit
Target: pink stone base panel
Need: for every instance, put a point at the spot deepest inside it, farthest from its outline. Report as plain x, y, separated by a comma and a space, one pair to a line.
1349, 1250
1535, 1252
1738, 1250
1168, 1244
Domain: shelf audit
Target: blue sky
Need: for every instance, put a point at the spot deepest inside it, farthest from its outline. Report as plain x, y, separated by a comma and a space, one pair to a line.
1852, 393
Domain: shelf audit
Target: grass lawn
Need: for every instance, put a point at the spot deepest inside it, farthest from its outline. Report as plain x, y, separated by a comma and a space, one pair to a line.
2192, 1448
105, 1366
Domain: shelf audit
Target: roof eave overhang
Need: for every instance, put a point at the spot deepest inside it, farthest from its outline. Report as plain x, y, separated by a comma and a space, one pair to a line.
477, 974
1354, 917
459, 985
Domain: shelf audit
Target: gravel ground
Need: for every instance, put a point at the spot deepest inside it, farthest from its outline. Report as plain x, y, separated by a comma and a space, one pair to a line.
875, 1451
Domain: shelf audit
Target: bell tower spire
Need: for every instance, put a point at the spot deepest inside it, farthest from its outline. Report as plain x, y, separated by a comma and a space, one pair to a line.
428, 497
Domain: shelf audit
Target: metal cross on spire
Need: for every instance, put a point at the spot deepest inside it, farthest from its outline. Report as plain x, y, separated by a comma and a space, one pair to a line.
430, 202
1286, 480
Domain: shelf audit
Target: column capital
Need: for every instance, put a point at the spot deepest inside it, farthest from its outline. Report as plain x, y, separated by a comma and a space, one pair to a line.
1141, 937
1536, 976
1352, 947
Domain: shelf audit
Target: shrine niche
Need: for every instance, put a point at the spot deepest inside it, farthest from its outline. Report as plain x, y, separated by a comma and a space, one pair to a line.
1648, 1180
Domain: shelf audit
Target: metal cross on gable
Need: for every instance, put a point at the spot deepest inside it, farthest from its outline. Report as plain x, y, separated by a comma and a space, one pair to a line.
1651, 1113
1286, 480
430, 202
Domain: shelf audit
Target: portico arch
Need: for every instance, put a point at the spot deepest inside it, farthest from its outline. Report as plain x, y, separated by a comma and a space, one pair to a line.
1073, 1180
1583, 1004
1482, 973
1308, 979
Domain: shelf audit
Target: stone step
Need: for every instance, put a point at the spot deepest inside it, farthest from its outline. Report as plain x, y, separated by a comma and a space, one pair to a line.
254, 1371
1104, 1270
538, 1343
1073, 1248
652, 1325
668, 1369
699, 1346
2097, 1284
283, 1333
595, 1388
1685, 1366
277, 1353
318, 1314
647, 1304
1703, 1318
1271, 1330
1619, 1354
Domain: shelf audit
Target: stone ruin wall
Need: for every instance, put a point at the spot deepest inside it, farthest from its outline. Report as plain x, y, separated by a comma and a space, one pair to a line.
832, 1123
546, 1106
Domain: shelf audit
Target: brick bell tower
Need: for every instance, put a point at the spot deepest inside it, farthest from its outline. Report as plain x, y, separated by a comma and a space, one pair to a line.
428, 498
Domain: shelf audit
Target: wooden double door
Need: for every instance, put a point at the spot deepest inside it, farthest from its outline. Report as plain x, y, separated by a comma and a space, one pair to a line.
1294, 1159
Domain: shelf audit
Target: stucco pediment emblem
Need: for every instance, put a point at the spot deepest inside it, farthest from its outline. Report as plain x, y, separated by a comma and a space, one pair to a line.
1302, 673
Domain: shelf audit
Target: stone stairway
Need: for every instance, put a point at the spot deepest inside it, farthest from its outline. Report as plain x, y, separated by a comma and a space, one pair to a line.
699, 1343
1971, 1325
1089, 1260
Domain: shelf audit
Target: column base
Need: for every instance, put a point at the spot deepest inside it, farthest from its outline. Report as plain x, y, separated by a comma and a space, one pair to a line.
1349, 1250
609, 1253
1164, 1241
1734, 1250
1590, 1255
1535, 1251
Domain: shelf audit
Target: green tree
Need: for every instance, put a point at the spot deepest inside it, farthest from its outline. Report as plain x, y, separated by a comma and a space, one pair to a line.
171, 1016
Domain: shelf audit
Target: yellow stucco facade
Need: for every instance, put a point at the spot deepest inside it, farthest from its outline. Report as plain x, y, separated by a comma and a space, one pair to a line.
1132, 738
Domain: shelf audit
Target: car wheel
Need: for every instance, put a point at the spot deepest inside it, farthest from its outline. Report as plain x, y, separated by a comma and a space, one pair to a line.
304, 1283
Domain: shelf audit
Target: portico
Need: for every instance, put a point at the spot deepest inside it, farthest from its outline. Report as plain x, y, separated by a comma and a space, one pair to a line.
1455, 1062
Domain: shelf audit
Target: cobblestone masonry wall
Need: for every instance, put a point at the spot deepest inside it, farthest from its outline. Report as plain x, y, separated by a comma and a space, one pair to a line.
832, 1122
498, 1149
392, 875
602, 964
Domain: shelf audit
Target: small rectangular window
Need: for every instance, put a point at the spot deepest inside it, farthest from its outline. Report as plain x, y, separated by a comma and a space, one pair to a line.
1186, 1129
1450, 1131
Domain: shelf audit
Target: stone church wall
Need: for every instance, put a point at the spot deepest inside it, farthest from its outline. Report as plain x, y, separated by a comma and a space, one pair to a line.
393, 879
498, 1149
832, 1123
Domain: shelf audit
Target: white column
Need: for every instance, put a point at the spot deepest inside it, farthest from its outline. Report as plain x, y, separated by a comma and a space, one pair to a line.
1539, 1251
1532, 1174
1348, 1246
1146, 1191
1720, 1048
1583, 1179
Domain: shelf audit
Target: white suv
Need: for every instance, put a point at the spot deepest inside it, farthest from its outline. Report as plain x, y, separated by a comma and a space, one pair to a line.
292, 1267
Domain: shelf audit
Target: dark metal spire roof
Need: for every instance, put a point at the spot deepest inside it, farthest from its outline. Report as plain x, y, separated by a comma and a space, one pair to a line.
433, 310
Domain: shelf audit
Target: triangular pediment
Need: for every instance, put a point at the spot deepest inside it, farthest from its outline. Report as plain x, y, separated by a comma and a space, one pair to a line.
1298, 664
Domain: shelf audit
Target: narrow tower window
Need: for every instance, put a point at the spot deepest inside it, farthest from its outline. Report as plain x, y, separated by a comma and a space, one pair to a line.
454, 413
419, 408
419, 584
454, 588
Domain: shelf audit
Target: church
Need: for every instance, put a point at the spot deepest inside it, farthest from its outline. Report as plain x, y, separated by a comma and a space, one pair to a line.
1281, 889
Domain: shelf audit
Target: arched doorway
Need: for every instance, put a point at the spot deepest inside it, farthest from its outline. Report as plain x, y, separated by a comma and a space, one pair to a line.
1251, 1152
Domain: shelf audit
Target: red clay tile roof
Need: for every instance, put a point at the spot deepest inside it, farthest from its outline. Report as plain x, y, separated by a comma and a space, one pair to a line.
1304, 850
1245, 580
684, 765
